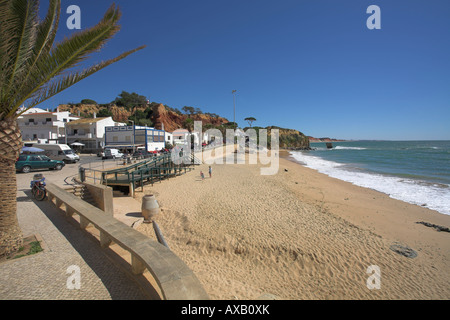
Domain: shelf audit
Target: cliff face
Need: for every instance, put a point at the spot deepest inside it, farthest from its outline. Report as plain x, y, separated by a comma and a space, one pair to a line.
119, 114
160, 115
173, 120
291, 139
84, 109
312, 139
170, 119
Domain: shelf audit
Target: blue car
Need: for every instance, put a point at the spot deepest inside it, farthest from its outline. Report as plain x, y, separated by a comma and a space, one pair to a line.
26, 163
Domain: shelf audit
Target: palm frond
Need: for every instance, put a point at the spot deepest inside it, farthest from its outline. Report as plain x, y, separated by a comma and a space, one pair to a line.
46, 69
46, 32
18, 37
69, 80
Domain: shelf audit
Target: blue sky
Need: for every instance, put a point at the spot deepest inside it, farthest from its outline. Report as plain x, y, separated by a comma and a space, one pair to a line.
310, 65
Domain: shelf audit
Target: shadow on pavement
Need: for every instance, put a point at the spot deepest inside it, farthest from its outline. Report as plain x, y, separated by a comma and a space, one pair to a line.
119, 285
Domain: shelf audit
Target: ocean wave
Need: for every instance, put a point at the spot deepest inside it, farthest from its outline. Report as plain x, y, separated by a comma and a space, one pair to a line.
432, 196
348, 148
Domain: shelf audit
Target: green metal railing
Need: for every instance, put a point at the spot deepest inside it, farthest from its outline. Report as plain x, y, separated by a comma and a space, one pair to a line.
150, 170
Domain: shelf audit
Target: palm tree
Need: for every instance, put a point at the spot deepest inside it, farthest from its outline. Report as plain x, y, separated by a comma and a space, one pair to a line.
33, 69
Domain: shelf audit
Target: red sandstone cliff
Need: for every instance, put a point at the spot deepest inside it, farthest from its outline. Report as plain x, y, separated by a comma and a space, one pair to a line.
161, 115
173, 120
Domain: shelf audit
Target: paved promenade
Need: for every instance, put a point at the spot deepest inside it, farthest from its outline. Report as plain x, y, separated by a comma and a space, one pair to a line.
44, 275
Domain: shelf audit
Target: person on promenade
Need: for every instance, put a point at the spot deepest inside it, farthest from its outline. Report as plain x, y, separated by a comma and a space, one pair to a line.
210, 172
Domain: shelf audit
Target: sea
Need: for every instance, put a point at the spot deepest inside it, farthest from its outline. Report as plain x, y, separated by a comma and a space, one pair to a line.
416, 172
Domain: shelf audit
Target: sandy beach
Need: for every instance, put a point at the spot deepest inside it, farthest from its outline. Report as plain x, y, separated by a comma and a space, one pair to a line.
298, 234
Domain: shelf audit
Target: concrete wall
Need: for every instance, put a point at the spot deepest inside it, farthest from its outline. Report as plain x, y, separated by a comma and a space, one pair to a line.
102, 196
173, 277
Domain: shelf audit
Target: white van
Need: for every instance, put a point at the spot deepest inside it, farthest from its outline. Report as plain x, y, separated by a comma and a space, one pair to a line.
112, 153
58, 152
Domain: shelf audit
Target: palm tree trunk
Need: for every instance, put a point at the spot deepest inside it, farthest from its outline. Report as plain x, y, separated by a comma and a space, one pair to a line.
10, 144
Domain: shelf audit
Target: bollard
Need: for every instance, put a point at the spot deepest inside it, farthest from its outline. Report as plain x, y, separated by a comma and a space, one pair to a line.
82, 173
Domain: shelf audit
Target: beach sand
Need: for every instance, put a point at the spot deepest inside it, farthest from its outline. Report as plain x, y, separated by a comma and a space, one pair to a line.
298, 234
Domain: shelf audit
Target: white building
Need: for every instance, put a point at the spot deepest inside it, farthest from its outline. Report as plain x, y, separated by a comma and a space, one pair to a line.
43, 126
129, 138
90, 132
169, 138
181, 136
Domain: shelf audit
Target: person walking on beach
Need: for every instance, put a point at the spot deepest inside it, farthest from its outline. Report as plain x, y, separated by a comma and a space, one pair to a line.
210, 172
202, 175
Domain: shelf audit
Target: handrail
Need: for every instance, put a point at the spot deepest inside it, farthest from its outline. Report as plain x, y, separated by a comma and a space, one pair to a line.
146, 162
173, 276
141, 174
146, 171
132, 166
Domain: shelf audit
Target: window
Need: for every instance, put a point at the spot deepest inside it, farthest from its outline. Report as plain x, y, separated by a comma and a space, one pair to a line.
30, 120
22, 158
48, 119
127, 138
115, 139
35, 158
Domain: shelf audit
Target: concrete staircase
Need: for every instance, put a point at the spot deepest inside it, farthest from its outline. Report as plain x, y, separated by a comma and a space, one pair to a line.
125, 209
83, 193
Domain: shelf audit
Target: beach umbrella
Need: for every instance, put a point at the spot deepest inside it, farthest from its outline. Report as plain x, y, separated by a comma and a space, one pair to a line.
31, 149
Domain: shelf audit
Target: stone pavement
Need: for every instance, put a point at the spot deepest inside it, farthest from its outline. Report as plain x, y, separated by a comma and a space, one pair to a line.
44, 275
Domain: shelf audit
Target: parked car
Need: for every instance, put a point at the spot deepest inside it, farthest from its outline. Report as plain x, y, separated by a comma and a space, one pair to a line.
142, 154
28, 162
112, 154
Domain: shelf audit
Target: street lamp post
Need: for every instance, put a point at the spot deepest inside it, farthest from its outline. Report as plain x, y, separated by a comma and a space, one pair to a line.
234, 106
134, 135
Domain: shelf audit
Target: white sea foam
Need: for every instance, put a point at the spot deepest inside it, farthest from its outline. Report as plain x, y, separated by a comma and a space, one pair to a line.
434, 196
348, 148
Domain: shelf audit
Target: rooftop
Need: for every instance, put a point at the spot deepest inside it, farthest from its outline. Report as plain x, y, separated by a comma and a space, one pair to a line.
87, 120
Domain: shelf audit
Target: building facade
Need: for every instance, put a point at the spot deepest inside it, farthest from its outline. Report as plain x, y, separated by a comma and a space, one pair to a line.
43, 126
169, 138
131, 138
182, 136
91, 132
